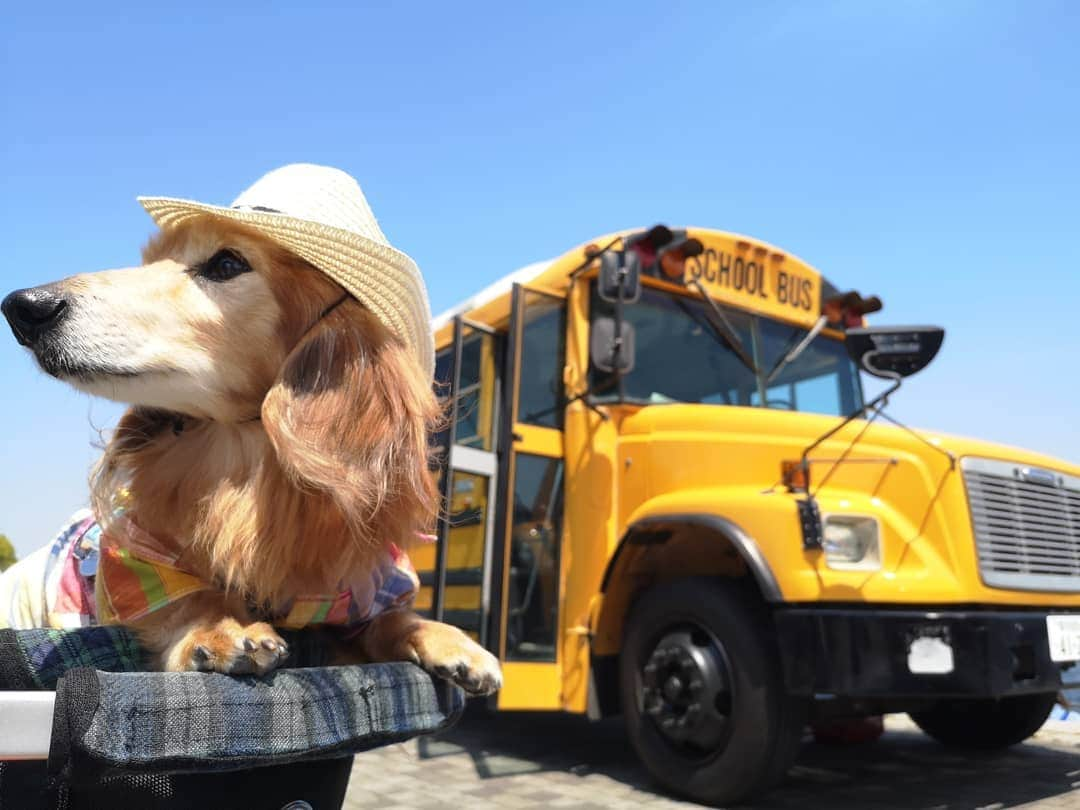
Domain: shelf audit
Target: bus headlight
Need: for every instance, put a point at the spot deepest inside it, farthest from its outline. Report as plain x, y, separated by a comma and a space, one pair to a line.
851, 541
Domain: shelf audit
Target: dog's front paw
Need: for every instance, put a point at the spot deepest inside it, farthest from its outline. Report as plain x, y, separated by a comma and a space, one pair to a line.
230, 648
447, 652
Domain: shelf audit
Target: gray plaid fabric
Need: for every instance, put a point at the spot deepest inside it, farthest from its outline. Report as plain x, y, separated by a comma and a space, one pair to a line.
37, 659
193, 721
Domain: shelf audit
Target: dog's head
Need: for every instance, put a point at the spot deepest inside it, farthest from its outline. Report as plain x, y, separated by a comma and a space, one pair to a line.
220, 323
201, 328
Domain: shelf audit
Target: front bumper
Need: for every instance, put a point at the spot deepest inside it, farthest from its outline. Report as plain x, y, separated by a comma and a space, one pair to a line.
881, 653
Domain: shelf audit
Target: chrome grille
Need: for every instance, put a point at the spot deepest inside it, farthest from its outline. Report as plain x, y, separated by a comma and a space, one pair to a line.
1027, 525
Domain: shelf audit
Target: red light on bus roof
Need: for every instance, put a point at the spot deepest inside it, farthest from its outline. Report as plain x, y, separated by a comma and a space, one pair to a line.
673, 258
847, 310
645, 251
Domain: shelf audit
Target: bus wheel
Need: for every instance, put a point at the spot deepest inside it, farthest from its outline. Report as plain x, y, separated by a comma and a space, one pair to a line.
985, 723
702, 691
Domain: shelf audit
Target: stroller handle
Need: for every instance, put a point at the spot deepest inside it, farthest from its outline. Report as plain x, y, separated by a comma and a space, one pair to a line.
26, 721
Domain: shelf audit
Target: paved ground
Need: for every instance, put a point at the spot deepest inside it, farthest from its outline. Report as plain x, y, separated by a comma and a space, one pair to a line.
565, 762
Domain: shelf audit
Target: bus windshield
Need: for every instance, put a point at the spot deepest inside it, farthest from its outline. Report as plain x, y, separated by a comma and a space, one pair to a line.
681, 358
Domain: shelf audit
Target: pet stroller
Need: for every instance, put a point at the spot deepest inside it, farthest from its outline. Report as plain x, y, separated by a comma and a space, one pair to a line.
82, 727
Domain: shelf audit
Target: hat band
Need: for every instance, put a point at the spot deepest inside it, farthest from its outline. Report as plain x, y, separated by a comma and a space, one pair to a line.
261, 208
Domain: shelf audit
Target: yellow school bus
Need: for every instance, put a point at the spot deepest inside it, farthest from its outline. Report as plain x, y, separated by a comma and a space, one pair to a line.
668, 497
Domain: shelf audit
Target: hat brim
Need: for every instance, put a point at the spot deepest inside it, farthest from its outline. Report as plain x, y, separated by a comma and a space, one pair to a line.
383, 279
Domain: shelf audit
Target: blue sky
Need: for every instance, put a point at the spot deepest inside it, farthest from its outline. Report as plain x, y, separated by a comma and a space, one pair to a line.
923, 151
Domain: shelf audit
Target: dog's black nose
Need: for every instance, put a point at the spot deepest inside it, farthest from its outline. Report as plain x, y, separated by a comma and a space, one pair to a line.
33, 312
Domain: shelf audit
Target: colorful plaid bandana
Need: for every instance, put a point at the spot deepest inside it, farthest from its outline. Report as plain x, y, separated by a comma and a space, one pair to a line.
140, 573
115, 577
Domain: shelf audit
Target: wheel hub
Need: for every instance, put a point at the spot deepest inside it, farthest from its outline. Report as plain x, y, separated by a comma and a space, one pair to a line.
686, 688
673, 688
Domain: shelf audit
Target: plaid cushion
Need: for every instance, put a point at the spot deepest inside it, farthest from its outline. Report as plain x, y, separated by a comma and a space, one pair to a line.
37, 659
191, 721
111, 717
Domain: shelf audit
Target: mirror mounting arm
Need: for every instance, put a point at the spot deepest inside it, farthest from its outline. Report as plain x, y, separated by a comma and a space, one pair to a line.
947, 453
891, 354
876, 404
620, 382
586, 397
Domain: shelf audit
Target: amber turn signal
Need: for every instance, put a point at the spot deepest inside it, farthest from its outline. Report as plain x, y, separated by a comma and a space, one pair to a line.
795, 475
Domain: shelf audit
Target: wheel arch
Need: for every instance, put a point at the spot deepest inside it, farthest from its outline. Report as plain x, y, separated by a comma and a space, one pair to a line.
690, 544
652, 529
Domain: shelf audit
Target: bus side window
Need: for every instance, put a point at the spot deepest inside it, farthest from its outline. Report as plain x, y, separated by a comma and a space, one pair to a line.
476, 390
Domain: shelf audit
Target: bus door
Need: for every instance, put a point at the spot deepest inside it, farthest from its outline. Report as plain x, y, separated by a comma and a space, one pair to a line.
455, 572
525, 627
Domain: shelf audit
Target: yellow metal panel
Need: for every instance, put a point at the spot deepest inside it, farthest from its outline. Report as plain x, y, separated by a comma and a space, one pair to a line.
538, 441
423, 598
457, 597
726, 461
530, 686
462, 597
486, 407
423, 557
465, 550
444, 336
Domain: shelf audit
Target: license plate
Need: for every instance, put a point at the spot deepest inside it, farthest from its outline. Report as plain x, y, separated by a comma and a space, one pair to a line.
1064, 635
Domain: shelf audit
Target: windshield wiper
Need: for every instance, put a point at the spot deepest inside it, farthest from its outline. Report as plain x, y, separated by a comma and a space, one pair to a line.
706, 324
723, 327
793, 355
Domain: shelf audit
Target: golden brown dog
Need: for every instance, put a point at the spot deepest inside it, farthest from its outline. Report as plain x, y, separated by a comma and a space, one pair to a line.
278, 431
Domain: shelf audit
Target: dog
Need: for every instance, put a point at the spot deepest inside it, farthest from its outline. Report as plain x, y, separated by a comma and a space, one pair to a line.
273, 463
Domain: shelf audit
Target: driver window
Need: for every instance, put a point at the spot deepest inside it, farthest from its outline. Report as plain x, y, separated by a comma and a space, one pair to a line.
680, 357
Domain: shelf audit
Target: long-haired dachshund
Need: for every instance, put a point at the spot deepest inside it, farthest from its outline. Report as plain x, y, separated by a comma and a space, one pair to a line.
273, 466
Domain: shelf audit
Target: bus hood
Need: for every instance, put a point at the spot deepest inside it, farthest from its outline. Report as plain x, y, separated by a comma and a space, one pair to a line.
794, 430
728, 460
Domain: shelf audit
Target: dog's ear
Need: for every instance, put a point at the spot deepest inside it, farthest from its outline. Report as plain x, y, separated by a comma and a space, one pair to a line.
348, 416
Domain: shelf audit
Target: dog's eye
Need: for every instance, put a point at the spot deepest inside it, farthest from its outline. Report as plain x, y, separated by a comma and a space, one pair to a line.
223, 265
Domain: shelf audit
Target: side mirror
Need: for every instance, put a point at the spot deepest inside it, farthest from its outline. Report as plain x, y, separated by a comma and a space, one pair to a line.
893, 351
610, 350
620, 277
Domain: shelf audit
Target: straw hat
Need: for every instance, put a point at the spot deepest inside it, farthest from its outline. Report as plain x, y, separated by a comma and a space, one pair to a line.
321, 215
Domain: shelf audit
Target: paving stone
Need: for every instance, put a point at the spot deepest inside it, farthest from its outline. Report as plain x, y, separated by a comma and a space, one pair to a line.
565, 763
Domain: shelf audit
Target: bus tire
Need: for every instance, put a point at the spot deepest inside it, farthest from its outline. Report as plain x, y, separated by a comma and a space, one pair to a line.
985, 723
703, 693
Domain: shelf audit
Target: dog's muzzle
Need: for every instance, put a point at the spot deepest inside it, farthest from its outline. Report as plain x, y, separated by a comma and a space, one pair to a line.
33, 312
